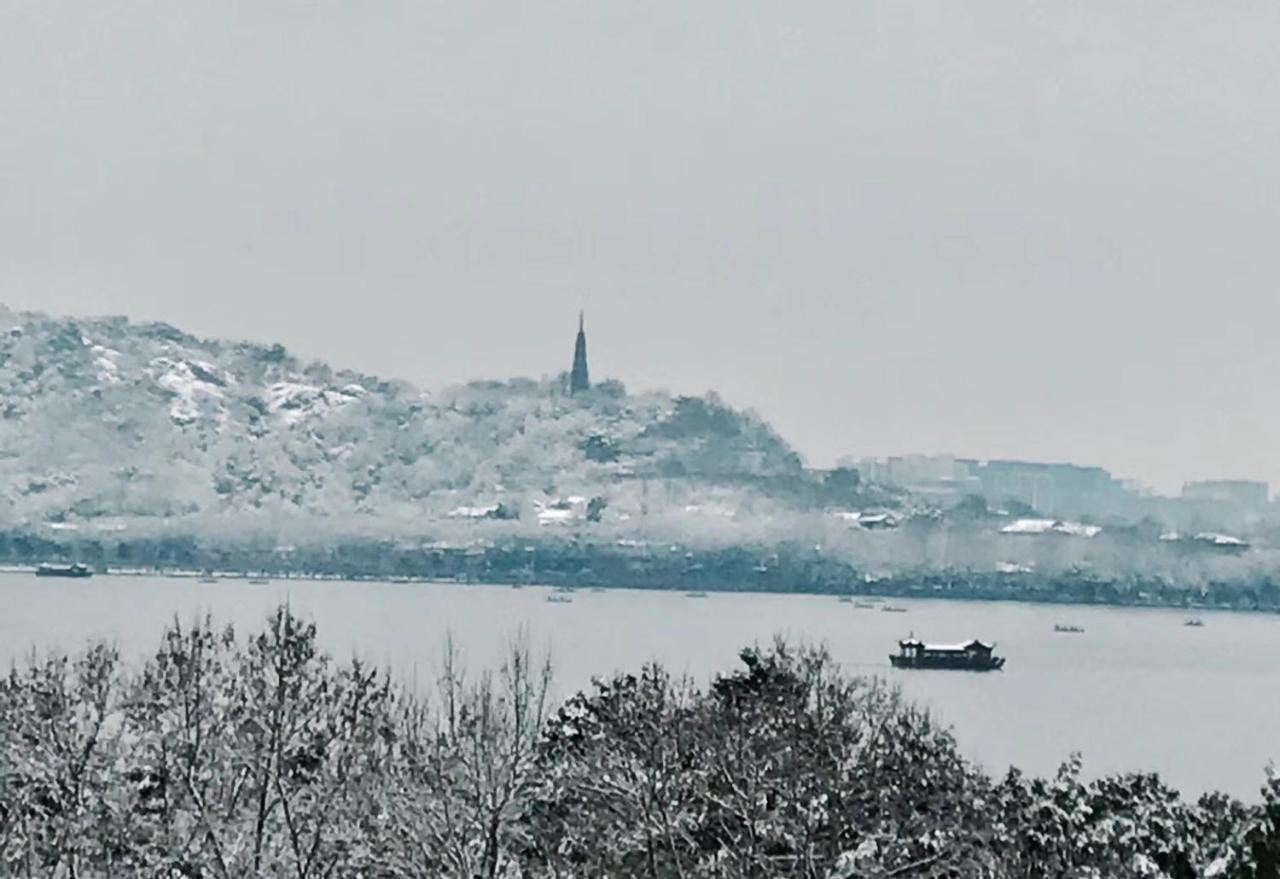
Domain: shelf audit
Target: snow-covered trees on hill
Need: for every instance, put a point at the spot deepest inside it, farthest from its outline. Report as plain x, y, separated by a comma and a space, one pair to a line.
104, 418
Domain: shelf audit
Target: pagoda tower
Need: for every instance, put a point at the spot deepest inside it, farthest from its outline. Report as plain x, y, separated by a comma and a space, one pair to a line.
578, 378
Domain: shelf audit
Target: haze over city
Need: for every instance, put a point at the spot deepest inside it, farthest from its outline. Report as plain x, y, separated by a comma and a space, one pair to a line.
989, 230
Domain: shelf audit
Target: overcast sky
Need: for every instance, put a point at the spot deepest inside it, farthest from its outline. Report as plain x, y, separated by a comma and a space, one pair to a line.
1044, 230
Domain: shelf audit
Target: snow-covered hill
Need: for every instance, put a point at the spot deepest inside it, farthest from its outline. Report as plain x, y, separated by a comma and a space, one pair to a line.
104, 419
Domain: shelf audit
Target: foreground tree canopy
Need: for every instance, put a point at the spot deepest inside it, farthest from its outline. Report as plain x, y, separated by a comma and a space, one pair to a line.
225, 756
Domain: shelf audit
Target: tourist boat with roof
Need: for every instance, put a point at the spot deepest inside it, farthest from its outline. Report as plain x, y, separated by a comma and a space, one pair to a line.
76, 570
972, 655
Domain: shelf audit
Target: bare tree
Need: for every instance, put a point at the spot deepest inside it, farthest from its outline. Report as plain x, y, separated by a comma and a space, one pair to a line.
463, 769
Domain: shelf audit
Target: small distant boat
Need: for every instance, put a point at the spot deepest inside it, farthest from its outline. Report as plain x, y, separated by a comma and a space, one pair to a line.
845, 599
598, 589
565, 589
1194, 623
259, 581
866, 605
75, 571
889, 608
973, 655
559, 599
1069, 629
208, 579
517, 585
695, 595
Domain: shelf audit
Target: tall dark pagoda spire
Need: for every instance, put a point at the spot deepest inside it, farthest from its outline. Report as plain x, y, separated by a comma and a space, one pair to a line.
578, 378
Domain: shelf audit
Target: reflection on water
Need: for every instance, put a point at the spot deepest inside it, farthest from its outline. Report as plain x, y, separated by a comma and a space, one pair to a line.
1137, 690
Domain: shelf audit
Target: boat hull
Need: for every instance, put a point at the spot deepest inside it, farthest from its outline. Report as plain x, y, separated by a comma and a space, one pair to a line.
948, 663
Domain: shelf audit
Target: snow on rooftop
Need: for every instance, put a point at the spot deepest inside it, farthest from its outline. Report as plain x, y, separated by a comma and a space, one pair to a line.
1012, 568
949, 648
1029, 526
1077, 529
1219, 539
472, 512
866, 518
554, 516
1210, 537
1050, 526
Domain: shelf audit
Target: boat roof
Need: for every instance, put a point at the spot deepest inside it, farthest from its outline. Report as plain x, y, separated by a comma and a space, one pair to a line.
953, 648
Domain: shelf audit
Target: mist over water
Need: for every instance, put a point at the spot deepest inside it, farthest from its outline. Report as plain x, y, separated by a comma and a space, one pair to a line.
1137, 691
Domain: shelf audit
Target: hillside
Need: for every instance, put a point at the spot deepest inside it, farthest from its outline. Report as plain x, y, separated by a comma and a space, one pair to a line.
103, 419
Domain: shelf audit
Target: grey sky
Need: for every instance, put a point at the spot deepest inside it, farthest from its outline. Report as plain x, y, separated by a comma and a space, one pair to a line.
1041, 229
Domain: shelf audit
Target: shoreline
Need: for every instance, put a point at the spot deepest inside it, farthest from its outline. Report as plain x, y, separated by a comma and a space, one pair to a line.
899, 589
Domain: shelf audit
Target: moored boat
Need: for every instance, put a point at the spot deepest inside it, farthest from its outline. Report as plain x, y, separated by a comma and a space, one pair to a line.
1194, 623
76, 570
889, 608
972, 655
1069, 629
559, 599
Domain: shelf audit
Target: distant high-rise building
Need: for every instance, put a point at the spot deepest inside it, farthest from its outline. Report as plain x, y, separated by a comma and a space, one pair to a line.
1242, 492
578, 378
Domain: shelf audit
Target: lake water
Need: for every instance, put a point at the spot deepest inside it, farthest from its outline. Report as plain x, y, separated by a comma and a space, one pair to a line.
1137, 691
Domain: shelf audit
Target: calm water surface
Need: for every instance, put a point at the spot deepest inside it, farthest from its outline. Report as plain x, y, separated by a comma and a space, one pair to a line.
1137, 690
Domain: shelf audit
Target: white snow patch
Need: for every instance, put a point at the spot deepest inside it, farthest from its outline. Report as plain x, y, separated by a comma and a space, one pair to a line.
295, 402
709, 510
190, 391
105, 360
340, 452
215, 373
1219, 867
